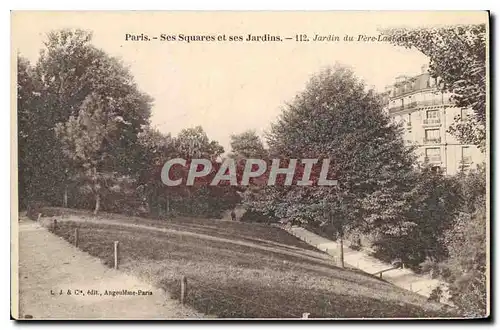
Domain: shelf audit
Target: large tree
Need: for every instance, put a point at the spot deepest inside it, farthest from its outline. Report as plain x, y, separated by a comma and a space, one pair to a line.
336, 117
247, 145
201, 199
457, 56
68, 72
156, 149
87, 140
32, 128
194, 143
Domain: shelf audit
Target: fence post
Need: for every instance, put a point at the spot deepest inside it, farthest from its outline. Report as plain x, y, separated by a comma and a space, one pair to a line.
183, 289
380, 274
116, 254
76, 237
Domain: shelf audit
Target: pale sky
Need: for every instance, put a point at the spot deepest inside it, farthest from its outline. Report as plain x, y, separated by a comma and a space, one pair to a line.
229, 87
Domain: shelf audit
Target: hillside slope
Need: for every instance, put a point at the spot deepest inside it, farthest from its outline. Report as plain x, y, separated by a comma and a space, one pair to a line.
239, 270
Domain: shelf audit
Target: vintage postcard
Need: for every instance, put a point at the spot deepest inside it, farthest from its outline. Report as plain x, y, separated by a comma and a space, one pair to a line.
250, 165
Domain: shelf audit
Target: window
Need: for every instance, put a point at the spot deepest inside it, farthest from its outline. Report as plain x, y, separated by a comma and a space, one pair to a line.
432, 114
411, 102
432, 152
464, 113
466, 155
432, 135
433, 155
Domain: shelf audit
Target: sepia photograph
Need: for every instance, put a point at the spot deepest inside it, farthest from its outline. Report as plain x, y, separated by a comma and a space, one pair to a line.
250, 165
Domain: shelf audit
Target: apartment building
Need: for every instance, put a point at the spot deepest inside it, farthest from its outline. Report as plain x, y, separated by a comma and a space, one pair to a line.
426, 114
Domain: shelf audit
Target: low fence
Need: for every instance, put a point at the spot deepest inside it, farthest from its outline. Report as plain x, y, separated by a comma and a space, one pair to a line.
53, 225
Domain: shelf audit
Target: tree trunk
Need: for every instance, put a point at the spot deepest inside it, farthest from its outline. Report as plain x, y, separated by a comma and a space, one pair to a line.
168, 206
97, 203
96, 191
65, 197
341, 249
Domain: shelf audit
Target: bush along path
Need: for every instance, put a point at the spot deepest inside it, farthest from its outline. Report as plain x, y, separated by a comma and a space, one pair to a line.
403, 278
59, 281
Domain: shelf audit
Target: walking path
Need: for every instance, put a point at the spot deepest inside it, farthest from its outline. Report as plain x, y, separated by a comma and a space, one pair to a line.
59, 281
404, 278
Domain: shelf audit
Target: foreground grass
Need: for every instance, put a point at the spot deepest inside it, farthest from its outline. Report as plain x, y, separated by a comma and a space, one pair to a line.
262, 272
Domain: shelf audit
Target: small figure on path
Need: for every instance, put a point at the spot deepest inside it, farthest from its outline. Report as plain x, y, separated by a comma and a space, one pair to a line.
233, 215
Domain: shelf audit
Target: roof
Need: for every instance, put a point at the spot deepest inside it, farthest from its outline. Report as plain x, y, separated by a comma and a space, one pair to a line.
411, 84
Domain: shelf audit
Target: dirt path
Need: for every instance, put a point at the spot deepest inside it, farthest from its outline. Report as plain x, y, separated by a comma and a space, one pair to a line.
56, 282
404, 278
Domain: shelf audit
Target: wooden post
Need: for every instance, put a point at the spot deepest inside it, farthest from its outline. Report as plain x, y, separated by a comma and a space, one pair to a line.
76, 237
116, 254
342, 252
183, 289
380, 274
65, 197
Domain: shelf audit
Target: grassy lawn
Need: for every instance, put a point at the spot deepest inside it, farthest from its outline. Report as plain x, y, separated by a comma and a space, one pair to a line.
240, 270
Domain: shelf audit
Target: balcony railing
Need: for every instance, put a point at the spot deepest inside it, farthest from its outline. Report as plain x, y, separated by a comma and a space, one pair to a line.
396, 108
432, 140
428, 103
433, 159
416, 104
432, 121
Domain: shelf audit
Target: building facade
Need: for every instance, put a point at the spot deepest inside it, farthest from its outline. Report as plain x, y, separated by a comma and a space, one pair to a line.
426, 114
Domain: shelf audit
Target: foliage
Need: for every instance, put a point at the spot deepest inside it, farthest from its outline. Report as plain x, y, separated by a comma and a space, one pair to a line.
247, 145
335, 117
466, 243
431, 207
458, 57
198, 200
33, 137
194, 143
465, 267
86, 141
68, 75
472, 188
